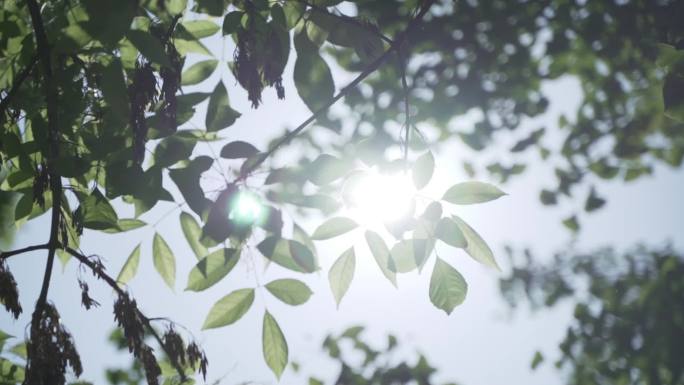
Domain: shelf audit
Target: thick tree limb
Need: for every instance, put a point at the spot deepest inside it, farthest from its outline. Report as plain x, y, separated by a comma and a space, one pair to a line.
372, 67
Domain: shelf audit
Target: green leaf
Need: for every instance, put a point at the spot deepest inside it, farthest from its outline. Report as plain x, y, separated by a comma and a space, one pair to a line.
341, 274
423, 170
593, 202
130, 268
448, 289
172, 150
571, 223
274, 345
467, 193
448, 232
219, 113
312, 76
126, 224
477, 248
200, 28
408, 254
238, 150
149, 46
96, 212
164, 261
212, 269
381, 253
193, 233
326, 169
290, 291
536, 360
114, 90
290, 254
187, 179
231, 23
198, 72
229, 309
334, 227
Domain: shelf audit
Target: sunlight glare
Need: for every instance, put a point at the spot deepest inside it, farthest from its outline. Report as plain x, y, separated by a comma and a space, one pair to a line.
376, 197
245, 209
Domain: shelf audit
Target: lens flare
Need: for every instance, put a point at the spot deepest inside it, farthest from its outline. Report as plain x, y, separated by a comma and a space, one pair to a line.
381, 198
245, 209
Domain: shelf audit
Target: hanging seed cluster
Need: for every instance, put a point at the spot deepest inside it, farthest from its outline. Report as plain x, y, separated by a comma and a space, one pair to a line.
50, 350
258, 57
9, 294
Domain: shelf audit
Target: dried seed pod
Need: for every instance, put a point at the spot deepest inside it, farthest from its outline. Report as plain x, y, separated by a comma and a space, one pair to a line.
50, 350
9, 295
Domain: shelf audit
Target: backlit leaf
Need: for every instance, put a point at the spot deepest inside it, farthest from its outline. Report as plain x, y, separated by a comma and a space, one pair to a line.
193, 233
164, 261
450, 233
423, 170
274, 345
477, 248
212, 268
341, 274
466, 193
291, 291
448, 289
381, 254
334, 227
287, 253
130, 268
229, 309
200, 28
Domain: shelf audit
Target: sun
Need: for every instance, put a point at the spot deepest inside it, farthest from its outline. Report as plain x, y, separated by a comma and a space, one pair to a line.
375, 198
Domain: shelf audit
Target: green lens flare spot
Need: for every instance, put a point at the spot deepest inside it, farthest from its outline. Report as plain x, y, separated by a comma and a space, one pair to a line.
245, 209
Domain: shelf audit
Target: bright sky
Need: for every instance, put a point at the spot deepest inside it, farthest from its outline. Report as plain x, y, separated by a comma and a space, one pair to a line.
480, 343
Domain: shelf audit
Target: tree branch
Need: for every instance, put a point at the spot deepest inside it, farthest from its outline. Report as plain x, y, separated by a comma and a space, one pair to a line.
17, 84
98, 270
53, 150
7, 254
372, 67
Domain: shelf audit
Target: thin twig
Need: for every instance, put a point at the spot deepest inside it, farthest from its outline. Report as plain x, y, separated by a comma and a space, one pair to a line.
7, 254
372, 67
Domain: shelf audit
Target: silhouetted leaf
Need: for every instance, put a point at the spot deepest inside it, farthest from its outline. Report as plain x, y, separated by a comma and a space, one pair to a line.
312, 76
198, 72
219, 113
238, 149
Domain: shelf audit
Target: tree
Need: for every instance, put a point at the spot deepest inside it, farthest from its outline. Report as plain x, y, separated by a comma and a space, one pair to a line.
627, 326
121, 136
